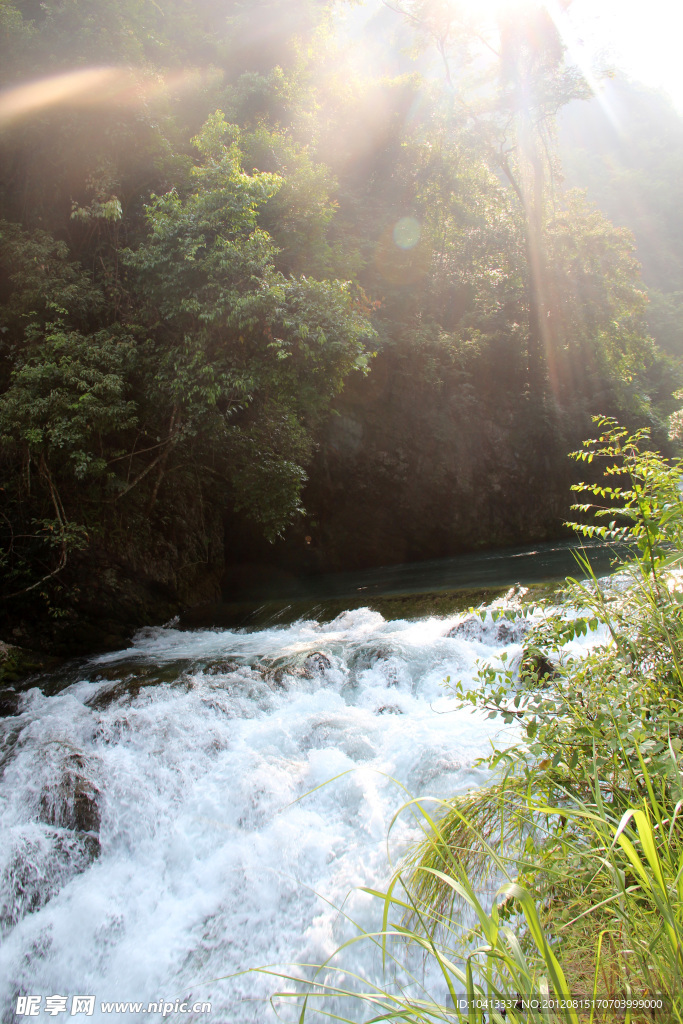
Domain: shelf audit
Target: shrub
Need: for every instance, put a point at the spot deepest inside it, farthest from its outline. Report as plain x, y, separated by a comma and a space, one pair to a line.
580, 830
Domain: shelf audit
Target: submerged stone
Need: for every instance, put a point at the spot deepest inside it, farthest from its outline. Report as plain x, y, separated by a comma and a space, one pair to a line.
503, 631
73, 803
316, 664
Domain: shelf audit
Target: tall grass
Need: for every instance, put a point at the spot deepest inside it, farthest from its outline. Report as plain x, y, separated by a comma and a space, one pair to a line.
580, 832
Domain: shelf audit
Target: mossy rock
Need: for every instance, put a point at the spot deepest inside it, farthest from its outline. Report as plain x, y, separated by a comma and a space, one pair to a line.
412, 605
16, 663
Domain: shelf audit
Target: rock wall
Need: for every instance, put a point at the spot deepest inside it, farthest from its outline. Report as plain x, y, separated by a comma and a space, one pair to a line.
409, 469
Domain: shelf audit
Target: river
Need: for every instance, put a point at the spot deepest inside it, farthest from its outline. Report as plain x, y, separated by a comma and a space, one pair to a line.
168, 817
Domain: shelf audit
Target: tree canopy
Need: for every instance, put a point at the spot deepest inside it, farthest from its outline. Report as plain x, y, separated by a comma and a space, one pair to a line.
214, 218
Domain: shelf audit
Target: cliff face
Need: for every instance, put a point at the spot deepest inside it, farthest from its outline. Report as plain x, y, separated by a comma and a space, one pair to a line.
143, 574
410, 470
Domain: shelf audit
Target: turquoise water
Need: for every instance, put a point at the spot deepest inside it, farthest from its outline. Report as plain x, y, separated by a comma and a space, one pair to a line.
205, 801
255, 602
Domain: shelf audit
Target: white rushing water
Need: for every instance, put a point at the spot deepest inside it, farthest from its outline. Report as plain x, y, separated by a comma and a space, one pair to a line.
153, 835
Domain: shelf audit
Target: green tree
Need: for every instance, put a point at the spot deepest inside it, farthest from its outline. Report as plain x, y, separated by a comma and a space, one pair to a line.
219, 366
65, 405
511, 113
245, 358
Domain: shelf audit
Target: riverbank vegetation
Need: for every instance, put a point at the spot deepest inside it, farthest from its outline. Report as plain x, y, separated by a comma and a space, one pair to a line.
252, 285
561, 879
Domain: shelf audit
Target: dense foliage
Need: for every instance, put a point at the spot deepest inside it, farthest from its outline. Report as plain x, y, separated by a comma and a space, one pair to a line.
211, 218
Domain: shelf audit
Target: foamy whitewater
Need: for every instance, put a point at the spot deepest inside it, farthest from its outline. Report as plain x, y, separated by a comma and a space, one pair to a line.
168, 819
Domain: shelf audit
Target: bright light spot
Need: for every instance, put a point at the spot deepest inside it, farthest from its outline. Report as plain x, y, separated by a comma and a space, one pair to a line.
489, 10
93, 87
491, 6
643, 40
86, 86
406, 232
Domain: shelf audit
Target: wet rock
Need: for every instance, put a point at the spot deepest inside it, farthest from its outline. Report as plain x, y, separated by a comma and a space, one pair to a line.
313, 665
219, 706
316, 664
503, 631
508, 632
389, 709
536, 665
391, 675
471, 628
105, 696
276, 677
85, 813
40, 860
224, 667
9, 703
129, 686
367, 657
73, 803
386, 662
115, 730
16, 663
90, 845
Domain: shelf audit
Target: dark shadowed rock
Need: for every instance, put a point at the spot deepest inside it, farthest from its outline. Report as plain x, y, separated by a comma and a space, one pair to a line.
16, 663
535, 665
9, 703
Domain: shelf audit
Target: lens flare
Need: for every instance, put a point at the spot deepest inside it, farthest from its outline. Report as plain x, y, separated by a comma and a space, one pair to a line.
407, 233
93, 87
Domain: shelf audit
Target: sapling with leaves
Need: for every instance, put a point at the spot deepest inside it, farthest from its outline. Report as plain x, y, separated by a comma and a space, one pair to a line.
602, 742
647, 510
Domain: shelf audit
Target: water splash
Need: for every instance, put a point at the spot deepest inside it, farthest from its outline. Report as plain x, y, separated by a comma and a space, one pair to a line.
164, 826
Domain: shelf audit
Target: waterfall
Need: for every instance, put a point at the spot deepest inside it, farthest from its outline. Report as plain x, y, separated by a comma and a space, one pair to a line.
168, 817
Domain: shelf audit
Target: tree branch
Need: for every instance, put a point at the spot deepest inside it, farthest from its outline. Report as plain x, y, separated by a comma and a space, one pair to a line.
44, 472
